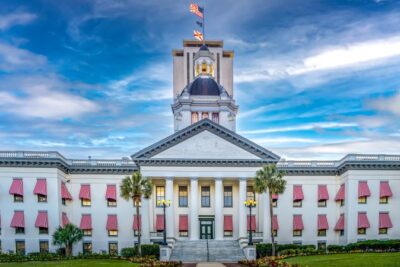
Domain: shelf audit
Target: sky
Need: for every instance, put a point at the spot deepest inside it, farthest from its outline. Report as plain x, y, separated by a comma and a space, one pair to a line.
313, 79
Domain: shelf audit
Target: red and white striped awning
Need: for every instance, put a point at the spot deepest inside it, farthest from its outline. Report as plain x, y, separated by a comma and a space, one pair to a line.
18, 219
385, 190
42, 220
40, 187
323, 192
298, 193
84, 193
17, 187
384, 220
228, 223
64, 219
160, 222
253, 223
275, 225
298, 222
136, 222
112, 223
322, 222
341, 193
65, 193
340, 223
183, 223
363, 221
363, 189
111, 192
86, 222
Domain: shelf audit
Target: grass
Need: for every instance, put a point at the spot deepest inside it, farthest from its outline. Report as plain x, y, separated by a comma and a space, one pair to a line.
347, 260
75, 263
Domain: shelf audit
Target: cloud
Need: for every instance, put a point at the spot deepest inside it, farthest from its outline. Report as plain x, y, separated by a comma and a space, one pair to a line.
390, 104
13, 58
10, 20
283, 140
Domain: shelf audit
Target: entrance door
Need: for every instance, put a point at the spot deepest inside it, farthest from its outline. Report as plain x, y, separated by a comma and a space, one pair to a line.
206, 229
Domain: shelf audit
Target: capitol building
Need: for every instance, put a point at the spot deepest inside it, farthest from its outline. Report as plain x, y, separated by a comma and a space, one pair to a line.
207, 172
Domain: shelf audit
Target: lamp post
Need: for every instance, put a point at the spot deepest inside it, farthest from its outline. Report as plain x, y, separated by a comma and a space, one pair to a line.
250, 204
164, 203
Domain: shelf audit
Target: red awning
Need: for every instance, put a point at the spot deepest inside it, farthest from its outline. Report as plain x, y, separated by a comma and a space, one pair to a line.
228, 223
363, 189
160, 222
384, 220
323, 192
18, 219
253, 222
275, 225
17, 187
340, 223
136, 222
298, 193
85, 192
340, 194
40, 187
183, 223
86, 222
322, 222
65, 193
275, 196
363, 220
385, 190
111, 192
42, 220
298, 222
64, 219
112, 223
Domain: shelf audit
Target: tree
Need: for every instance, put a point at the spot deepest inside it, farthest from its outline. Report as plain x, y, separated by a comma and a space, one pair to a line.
66, 236
270, 180
134, 187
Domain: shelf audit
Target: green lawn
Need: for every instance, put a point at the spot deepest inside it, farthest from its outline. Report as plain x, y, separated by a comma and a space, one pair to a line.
68, 263
347, 260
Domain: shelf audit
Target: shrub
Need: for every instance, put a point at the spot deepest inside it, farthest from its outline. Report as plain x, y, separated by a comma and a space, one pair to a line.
151, 250
264, 250
130, 252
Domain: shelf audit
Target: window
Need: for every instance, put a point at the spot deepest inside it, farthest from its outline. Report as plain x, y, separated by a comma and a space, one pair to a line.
251, 195
19, 230
195, 117
140, 203
322, 203
297, 232
113, 248
183, 196
228, 233
43, 246
41, 198
112, 232
228, 200
183, 233
87, 247
297, 203
383, 231
87, 232
18, 198
362, 231
20, 247
160, 195
204, 115
43, 231
215, 117
205, 196
136, 232
111, 203
341, 232
63, 201
362, 200
274, 203
204, 68
321, 245
275, 233
322, 232
342, 202
384, 200
86, 202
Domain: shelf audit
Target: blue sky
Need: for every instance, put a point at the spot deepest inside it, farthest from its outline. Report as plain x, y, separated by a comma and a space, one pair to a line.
314, 79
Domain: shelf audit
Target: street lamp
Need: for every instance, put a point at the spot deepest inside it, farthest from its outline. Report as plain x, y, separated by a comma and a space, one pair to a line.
164, 203
250, 204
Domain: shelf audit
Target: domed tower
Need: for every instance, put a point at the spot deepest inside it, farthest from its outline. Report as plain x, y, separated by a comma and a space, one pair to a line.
204, 97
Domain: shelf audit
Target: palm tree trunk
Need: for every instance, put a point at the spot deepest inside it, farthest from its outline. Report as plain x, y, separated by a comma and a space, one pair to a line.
139, 226
271, 215
68, 250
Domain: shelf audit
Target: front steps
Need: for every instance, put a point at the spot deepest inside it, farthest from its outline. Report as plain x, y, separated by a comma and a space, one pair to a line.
207, 251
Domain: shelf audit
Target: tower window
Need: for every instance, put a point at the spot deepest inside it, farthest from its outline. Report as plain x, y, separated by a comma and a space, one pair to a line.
195, 117
204, 115
204, 68
215, 117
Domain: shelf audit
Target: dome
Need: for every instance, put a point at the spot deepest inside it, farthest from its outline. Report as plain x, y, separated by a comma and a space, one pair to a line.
204, 48
204, 86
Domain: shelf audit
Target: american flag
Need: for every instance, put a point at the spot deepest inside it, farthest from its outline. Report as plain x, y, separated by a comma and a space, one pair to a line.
194, 8
198, 35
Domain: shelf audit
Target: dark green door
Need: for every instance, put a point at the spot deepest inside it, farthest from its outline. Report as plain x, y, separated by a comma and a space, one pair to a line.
206, 229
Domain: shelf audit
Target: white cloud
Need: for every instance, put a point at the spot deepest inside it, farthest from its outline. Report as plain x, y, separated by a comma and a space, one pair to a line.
9, 20
14, 58
303, 127
282, 140
390, 104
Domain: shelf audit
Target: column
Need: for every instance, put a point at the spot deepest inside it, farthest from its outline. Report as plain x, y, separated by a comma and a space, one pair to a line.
194, 209
242, 208
264, 214
169, 213
145, 222
219, 209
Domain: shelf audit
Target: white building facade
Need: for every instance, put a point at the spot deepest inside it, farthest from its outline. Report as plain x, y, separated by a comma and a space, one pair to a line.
207, 171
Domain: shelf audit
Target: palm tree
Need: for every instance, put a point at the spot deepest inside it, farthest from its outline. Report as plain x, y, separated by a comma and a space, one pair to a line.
66, 236
134, 187
270, 179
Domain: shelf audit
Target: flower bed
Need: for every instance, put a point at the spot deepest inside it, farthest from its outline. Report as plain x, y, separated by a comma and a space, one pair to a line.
268, 262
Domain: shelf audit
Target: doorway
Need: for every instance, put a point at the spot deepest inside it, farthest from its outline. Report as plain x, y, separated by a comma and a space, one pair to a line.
206, 228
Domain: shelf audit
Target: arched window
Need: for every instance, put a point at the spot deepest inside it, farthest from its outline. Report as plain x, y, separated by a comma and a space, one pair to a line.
215, 117
204, 115
195, 117
204, 67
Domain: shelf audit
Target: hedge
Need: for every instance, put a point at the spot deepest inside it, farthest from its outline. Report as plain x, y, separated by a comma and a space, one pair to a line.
264, 250
147, 250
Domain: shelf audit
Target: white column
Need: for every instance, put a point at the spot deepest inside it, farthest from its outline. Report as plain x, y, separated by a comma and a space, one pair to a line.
194, 209
145, 222
242, 208
169, 213
219, 209
265, 217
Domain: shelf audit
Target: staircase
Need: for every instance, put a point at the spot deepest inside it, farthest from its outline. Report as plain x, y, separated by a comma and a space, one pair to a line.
207, 250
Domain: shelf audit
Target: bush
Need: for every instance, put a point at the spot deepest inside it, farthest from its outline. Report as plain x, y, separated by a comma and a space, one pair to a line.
264, 250
130, 252
151, 250
335, 248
